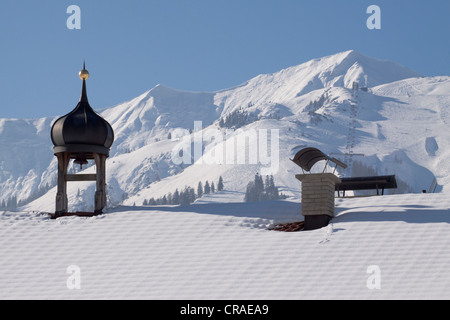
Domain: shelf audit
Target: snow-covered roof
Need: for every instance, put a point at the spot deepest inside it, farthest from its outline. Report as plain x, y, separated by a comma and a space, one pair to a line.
390, 247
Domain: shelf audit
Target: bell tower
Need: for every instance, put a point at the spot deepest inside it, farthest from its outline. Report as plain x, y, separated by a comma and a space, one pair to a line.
81, 135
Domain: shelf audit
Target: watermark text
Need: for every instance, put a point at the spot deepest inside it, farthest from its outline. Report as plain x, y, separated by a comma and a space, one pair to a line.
214, 146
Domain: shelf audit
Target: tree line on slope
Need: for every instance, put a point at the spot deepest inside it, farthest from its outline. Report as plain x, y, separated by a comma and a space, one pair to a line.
241, 117
186, 196
12, 203
236, 119
259, 190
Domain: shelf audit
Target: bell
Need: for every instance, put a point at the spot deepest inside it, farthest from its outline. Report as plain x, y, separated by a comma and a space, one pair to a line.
81, 159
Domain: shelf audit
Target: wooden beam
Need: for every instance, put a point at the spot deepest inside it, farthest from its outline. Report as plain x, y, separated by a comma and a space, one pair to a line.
349, 183
81, 177
61, 204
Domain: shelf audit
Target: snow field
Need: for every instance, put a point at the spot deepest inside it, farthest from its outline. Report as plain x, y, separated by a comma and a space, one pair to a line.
216, 250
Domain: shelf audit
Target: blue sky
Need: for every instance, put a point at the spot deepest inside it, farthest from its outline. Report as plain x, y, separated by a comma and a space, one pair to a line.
199, 45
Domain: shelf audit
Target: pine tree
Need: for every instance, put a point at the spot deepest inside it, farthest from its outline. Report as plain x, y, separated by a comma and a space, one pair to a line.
207, 187
259, 184
275, 193
220, 184
192, 196
184, 196
270, 189
250, 193
199, 189
176, 197
266, 183
213, 187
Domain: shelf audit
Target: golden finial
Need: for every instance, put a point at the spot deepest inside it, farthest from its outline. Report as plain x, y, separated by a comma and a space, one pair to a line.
83, 74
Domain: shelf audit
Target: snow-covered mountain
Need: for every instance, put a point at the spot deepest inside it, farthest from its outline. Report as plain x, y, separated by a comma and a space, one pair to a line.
397, 118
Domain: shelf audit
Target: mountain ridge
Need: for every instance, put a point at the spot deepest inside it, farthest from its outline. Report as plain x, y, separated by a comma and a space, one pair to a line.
309, 104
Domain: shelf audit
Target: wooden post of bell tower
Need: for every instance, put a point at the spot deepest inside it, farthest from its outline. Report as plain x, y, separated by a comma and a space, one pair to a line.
100, 193
61, 193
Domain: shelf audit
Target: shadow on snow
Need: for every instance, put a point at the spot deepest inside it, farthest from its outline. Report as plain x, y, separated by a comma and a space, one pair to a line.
406, 213
264, 209
292, 209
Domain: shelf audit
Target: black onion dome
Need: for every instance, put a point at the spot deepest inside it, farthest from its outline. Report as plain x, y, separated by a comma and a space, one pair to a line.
82, 130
